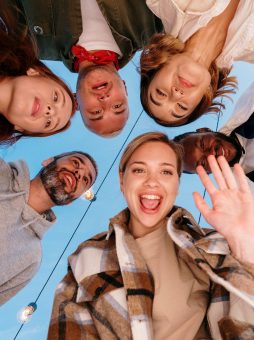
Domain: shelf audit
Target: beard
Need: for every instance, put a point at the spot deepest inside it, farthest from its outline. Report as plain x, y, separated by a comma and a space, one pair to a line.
54, 186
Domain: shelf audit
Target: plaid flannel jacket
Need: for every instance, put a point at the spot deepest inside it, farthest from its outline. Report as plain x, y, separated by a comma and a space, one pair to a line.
108, 291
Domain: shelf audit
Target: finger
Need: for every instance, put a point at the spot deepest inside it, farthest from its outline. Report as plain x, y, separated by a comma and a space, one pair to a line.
206, 180
201, 205
227, 173
241, 179
216, 171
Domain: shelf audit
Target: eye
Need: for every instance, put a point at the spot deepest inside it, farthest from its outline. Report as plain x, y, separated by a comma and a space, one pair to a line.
48, 123
182, 107
55, 98
117, 106
85, 179
160, 93
75, 163
138, 170
167, 172
97, 111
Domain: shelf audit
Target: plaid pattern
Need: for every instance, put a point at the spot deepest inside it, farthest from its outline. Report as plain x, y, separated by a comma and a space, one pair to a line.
108, 291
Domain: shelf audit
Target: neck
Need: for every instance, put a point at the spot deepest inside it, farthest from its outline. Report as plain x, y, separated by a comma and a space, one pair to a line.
5, 95
39, 199
207, 43
84, 64
137, 229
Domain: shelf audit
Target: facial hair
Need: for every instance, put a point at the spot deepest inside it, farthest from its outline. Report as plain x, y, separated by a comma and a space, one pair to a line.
54, 186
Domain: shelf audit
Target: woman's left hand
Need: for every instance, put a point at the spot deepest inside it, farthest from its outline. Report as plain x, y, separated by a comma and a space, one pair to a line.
232, 212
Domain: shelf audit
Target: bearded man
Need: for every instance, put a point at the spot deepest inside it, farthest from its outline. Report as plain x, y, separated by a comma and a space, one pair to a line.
25, 211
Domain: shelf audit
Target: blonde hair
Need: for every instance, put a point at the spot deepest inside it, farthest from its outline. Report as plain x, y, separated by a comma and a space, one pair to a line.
151, 137
157, 54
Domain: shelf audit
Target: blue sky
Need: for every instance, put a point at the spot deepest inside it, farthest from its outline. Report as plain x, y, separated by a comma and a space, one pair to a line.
109, 199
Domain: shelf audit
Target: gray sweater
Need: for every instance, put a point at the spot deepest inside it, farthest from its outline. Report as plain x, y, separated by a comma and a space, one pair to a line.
21, 230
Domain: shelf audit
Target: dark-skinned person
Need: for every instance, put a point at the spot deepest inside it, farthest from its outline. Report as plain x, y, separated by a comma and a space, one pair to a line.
155, 274
94, 38
185, 71
33, 100
235, 140
26, 214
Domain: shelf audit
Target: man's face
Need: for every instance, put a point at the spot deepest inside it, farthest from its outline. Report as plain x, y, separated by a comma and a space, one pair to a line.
67, 178
198, 146
102, 99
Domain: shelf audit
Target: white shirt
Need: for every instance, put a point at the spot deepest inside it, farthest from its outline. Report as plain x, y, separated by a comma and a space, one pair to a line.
243, 110
96, 33
183, 18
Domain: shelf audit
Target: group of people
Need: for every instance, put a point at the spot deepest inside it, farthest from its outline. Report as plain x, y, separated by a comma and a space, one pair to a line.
155, 274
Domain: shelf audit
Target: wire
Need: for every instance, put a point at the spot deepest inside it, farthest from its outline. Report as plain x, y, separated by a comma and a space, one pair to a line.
216, 129
82, 218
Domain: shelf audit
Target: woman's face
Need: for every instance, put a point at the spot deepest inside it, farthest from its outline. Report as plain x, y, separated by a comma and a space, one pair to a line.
150, 186
38, 104
177, 88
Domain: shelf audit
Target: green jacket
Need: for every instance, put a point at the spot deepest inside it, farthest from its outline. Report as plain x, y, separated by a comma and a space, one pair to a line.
57, 25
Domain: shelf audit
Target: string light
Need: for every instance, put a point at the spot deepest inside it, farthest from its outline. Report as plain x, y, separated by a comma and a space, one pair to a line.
25, 314
89, 195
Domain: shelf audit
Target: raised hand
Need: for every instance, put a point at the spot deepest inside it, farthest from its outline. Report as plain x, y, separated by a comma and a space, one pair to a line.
232, 211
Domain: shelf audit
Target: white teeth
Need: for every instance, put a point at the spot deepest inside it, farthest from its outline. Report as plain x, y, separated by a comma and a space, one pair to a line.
69, 179
151, 197
223, 152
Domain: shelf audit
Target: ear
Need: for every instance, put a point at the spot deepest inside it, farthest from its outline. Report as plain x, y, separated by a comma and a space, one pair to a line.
32, 72
125, 87
204, 129
47, 161
18, 128
121, 174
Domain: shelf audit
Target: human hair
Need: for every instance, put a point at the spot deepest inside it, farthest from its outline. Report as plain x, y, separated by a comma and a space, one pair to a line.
151, 137
157, 54
19, 52
69, 153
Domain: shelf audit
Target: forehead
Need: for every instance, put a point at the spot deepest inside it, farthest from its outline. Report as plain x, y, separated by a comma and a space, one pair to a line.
153, 151
82, 158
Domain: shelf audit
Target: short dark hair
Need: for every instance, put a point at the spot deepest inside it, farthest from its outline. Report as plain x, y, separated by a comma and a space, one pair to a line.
179, 138
69, 153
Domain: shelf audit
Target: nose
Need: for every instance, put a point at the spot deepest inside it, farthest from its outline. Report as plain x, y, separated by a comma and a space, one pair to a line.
49, 111
104, 96
177, 92
79, 173
151, 180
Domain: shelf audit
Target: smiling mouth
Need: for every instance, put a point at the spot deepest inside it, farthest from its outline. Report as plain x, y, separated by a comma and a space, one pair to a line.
185, 83
36, 107
70, 181
150, 203
100, 86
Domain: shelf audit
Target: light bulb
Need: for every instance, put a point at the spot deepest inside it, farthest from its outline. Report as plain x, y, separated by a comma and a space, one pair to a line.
89, 195
25, 314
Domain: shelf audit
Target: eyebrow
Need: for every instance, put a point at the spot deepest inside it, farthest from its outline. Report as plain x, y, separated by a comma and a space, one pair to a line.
119, 112
154, 101
63, 97
177, 116
56, 125
96, 118
161, 164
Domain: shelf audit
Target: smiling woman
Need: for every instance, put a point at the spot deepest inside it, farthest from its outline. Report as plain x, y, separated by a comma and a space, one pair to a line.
184, 70
153, 271
33, 100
